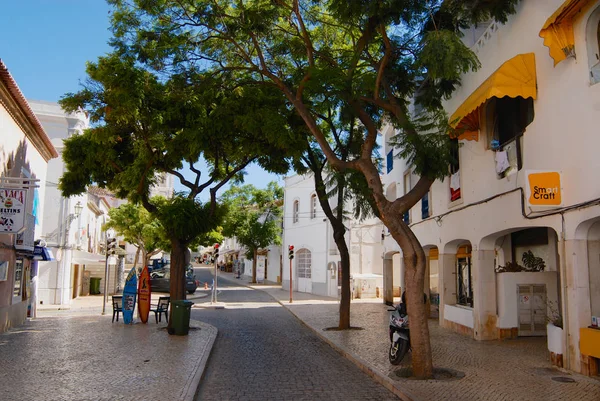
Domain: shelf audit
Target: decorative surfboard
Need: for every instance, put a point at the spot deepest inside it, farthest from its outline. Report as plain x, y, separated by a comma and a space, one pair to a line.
144, 293
129, 294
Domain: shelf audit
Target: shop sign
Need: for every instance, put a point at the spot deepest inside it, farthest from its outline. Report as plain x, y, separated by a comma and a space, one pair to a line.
12, 210
544, 188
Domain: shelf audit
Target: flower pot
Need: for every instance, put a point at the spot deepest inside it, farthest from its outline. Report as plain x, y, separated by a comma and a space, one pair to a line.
555, 344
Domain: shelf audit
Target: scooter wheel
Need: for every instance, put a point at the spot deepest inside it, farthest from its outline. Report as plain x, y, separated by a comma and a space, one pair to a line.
397, 351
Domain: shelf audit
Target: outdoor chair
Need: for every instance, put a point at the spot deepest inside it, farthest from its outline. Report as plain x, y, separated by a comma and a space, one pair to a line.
117, 302
160, 308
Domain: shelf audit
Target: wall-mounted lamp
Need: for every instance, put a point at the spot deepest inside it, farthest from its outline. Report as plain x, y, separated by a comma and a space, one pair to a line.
78, 209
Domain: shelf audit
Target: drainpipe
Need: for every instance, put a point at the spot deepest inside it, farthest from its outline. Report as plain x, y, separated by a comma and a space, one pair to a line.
565, 295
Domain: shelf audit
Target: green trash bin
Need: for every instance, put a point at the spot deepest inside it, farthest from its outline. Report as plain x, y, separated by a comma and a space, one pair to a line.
180, 317
95, 285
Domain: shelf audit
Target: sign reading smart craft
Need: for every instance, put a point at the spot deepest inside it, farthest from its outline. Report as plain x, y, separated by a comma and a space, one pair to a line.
12, 210
544, 188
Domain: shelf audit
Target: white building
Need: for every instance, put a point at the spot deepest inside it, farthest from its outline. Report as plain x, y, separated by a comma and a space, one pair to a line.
165, 186
533, 106
25, 151
72, 227
316, 265
268, 260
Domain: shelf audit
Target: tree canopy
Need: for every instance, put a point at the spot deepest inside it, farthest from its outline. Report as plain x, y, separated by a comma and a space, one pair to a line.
139, 228
372, 58
145, 124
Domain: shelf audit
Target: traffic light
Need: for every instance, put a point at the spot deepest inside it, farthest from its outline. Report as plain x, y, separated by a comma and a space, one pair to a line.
216, 253
111, 246
291, 251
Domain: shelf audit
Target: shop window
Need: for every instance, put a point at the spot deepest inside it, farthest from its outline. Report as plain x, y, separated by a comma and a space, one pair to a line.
313, 206
464, 276
506, 120
18, 278
454, 171
296, 211
3, 270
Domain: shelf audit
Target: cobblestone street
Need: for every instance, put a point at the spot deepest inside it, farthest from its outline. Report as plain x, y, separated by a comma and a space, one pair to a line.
263, 353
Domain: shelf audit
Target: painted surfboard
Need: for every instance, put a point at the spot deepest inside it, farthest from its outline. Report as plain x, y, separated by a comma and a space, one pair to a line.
129, 295
144, 294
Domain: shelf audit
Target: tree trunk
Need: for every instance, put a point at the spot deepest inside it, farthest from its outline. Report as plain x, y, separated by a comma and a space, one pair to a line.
391, 213
145, 257
178, 262
340, 241
137, 257
254, 258
414, 280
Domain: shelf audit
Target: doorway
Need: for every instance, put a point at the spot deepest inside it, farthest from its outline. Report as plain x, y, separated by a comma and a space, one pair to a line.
532, 309
304, 270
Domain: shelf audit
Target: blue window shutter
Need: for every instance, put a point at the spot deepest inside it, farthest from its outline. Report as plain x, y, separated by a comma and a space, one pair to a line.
390, 160
425, 206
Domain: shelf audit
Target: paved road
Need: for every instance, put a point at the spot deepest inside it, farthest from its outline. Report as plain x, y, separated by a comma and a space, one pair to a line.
262, 352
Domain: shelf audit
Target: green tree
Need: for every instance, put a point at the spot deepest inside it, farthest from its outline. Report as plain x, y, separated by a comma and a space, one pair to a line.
139, 228
371, 56
343, 187
254, 218
146, 125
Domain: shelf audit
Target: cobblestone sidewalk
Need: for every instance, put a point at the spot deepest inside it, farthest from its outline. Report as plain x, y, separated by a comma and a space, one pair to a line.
517, 369
76, 357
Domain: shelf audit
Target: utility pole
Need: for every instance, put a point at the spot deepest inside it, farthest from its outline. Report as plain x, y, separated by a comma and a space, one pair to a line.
291, 256
216, 257
104, 297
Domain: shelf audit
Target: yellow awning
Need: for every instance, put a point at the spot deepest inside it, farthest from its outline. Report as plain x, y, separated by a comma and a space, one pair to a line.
558, 29
516, 77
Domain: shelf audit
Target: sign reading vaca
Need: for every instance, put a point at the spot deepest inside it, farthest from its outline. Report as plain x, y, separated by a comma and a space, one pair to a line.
12, 210
543, 188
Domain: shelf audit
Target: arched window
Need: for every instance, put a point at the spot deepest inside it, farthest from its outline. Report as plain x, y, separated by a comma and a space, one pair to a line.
303, 264
593, 45
296, 211
313, 206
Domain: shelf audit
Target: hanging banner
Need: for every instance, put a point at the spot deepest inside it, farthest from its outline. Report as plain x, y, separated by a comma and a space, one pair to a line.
544, 188
12, 210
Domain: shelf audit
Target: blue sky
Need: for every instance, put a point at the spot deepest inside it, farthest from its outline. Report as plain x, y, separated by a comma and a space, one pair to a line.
46, 43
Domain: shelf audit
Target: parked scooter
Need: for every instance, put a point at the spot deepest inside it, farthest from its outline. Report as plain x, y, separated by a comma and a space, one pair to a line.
399, 331
399, 334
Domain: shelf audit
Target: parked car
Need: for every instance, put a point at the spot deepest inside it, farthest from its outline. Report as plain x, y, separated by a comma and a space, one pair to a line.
160, 279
